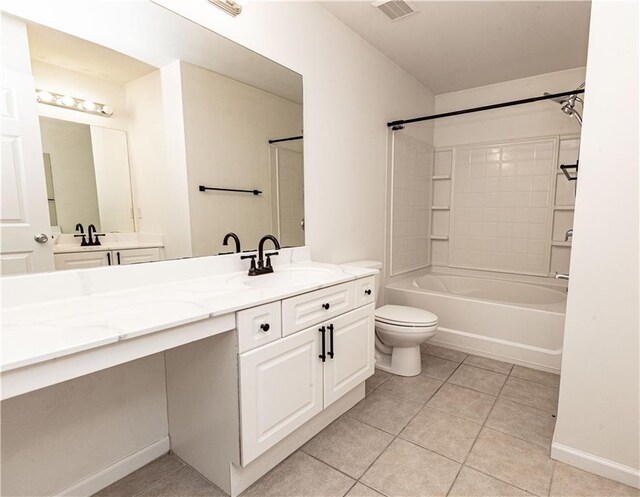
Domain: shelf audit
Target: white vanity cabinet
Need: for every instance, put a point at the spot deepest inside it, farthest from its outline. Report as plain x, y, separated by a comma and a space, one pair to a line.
98, 258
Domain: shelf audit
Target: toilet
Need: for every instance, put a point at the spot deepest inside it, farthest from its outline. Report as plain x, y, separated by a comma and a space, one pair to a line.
400, 331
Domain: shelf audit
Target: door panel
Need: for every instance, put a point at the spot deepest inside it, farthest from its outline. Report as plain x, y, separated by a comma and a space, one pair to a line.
24, 210
353, 353
280, 390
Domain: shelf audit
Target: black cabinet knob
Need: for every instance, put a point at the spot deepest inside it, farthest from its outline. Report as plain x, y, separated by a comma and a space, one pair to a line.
265, 327
368, 292
326, 306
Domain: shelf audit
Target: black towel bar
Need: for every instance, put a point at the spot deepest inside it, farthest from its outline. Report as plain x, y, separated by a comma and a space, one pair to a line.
203, 188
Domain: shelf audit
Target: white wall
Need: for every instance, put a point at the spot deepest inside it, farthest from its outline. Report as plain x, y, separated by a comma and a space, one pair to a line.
227, 127
598, 425
74, 180
350, 92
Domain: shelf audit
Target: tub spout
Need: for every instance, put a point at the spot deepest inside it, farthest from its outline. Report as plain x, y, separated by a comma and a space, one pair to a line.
561, 276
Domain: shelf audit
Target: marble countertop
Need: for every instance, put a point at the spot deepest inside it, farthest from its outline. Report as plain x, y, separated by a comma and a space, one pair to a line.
74, 248
40, 331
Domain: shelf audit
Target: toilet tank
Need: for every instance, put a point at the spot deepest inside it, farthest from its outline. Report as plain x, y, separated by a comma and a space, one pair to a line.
369, 265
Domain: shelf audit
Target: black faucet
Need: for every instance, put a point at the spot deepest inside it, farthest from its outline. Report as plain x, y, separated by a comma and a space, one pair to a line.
95, 241
80, 230
262, 266
225, 242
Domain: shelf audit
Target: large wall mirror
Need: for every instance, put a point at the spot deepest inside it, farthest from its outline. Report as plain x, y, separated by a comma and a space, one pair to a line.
164, 152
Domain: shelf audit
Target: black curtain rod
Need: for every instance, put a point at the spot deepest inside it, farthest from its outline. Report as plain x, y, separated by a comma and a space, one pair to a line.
402, 122
291, 138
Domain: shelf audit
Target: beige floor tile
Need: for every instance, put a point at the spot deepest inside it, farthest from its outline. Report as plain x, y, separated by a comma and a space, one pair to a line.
462, 402
378, 378
437, 368
527, 423
418, 389
490, 364
143, 478
512, 460
443, 433
360, 490
186, 482
382, 410
299, 476
531, 394
550, 379
444, 353
478, 379
348, 445
472, 483
407, 470
571, 482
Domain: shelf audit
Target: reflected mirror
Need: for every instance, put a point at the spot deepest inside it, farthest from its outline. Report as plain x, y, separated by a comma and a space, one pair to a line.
162, 150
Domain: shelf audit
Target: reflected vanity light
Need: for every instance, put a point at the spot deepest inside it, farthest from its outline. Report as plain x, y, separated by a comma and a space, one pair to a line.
231, 7
73, 103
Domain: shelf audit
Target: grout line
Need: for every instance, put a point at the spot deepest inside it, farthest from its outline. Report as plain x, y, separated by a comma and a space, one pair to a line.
164, 477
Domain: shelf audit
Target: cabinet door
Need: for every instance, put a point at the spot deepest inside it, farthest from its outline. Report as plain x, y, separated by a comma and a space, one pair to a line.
280, 390
81, 260
134, 256
305, 310
353, 352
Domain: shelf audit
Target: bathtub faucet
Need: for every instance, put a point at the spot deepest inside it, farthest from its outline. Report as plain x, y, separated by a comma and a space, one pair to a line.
568, 234
561, 276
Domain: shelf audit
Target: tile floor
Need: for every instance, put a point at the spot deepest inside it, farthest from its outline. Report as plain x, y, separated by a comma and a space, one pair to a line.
467, 426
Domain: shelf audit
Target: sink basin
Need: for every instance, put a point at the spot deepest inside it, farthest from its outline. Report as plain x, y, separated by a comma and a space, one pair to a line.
285, 277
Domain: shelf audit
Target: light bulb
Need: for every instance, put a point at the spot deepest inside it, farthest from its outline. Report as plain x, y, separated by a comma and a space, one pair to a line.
106, 110
89, 106
68, 101
45, 96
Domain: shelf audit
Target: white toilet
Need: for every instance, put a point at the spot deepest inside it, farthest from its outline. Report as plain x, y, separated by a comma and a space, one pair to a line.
400, 331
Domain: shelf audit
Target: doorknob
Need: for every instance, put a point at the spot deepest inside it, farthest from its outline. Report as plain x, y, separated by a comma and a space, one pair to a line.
41, 238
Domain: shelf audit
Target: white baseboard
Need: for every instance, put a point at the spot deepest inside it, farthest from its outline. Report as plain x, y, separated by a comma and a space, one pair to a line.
111, 474
596, 465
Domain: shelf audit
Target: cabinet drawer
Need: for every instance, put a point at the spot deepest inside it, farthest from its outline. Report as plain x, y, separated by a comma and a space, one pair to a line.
258, 326
365, 291
135, 256
305, 310
81, 260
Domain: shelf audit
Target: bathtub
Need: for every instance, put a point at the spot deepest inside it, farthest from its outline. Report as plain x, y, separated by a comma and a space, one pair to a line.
516, 321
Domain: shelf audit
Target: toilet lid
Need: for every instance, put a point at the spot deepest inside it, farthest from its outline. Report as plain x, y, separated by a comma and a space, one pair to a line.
404, 315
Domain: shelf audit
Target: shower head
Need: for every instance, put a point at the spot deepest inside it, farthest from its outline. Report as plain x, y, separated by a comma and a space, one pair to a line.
568, 104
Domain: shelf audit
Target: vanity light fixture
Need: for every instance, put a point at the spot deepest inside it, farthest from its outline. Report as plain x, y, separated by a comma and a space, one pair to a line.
231, 7
73, 103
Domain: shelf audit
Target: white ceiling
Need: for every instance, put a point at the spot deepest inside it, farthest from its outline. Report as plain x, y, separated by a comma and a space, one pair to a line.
455, 45
63, 50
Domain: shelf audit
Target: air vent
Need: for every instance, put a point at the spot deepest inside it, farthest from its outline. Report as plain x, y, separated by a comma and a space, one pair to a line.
394, 9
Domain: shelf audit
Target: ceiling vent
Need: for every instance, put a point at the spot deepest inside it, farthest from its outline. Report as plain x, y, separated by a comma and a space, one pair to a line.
394, 9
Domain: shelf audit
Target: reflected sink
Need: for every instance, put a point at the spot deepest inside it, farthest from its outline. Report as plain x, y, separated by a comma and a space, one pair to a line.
286, 277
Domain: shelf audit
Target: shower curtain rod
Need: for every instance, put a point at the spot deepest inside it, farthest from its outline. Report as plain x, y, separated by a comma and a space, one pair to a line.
395, 125
291, 138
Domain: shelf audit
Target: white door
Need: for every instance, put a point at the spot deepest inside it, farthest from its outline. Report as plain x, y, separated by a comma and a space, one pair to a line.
280, 390
24, 211
350, 358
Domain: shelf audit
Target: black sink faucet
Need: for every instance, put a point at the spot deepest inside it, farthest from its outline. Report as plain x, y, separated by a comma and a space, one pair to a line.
262, 266
95, 240
236, 239
80, 230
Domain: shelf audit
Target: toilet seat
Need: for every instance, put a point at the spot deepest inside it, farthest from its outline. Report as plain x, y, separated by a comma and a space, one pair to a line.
400, 316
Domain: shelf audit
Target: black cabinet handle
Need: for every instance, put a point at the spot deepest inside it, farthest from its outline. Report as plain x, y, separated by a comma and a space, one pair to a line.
330, 353
323, 356
368, 291
109, 258
326, 306
118, 256
265, 327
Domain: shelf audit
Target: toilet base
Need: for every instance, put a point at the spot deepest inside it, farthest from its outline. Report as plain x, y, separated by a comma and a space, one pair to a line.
403, 361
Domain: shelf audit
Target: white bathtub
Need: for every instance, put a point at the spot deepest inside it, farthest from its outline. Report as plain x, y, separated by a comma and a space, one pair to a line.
515, 321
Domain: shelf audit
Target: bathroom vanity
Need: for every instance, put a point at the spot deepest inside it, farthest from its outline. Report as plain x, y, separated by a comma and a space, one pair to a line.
255, 366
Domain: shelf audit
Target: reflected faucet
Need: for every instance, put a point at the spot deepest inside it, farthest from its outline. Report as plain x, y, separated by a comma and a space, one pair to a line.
568, 234
236, 239
561, 276
80, 230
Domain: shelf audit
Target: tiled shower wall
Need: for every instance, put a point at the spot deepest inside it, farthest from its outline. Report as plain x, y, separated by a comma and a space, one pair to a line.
411, 199
503, 207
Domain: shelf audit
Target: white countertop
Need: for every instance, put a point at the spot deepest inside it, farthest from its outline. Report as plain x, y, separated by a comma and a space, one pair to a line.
66, 249
38, 331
